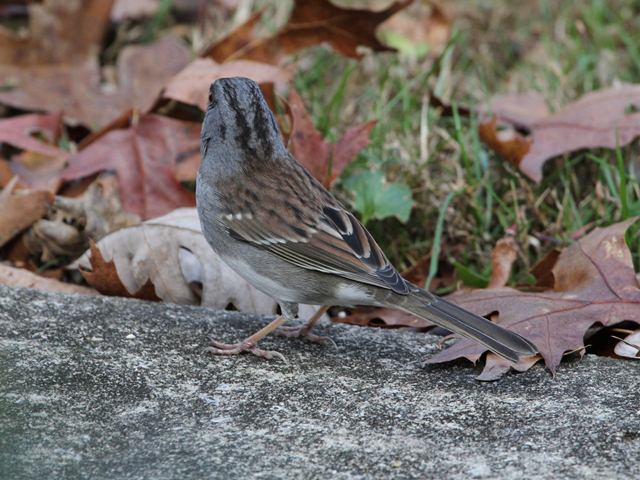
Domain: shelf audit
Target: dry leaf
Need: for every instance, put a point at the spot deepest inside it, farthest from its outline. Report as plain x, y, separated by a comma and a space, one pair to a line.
144, 158
5, 173
103, 276
21, 132
235, 41
39, 172
40, 165
184, 10
604, 118
191, 85
594, 283
312, 22
54, 66
59, 32
141, 77
542, 270
496, 366
18, 277
171, 256
324, 160
424, 25
502, 257
71, 223
20, 210
133, 9
629, 347
507, 143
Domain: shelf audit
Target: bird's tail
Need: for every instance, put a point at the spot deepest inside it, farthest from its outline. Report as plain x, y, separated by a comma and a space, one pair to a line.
505, 343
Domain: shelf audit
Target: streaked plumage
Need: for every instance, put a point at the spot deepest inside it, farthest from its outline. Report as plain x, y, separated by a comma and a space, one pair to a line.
269, 219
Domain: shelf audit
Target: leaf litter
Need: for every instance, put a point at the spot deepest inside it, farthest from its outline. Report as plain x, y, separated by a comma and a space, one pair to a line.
310, 23
144, 157
594, 284
168, 258
126, 107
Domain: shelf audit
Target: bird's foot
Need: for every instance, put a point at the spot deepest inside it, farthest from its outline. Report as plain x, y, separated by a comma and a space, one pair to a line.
220, 348
303, 332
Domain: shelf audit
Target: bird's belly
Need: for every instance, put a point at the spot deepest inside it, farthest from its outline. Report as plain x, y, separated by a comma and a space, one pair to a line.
263, 283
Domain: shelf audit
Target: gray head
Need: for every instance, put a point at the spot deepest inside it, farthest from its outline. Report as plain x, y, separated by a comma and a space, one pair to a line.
239, 126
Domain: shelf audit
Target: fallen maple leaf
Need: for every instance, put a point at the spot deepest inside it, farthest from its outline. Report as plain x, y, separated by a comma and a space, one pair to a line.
601, 119
169, 258
54, 66
191, 85
324, 160
594, 283
311, 22
39, 166
144, 158
21, 132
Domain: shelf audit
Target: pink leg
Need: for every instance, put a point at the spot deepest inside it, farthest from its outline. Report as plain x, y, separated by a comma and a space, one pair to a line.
305, 330
249, 344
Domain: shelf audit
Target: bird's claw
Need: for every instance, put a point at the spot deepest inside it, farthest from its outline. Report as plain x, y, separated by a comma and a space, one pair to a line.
220, 348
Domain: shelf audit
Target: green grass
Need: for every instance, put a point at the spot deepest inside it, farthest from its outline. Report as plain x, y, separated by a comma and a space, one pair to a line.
560, 49
557, 48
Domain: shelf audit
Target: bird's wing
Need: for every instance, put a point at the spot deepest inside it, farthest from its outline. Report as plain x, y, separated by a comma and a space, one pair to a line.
291, 215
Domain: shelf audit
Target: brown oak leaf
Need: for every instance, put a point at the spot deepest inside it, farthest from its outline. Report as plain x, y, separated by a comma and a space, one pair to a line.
525, 133
311, 22
103, 276
594, 284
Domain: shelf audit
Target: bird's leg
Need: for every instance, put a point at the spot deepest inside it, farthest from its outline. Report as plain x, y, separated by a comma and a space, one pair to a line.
305, 330
249, 344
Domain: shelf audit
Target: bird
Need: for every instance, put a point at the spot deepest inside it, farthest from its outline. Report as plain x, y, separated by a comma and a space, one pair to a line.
273, 223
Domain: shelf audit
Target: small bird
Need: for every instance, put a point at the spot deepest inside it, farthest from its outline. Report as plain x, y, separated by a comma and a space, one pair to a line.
273, 223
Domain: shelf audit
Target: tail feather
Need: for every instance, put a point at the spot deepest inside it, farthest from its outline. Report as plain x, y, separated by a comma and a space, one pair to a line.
505, 343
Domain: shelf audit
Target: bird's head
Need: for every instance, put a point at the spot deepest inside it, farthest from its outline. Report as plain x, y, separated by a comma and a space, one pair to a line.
239, 126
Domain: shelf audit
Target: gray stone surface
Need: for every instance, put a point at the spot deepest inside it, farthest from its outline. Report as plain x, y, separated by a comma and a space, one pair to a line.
105, 388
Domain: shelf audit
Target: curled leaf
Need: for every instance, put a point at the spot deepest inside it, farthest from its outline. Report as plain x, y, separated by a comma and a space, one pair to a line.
168, 258
311, 22
600, 119
594, 286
